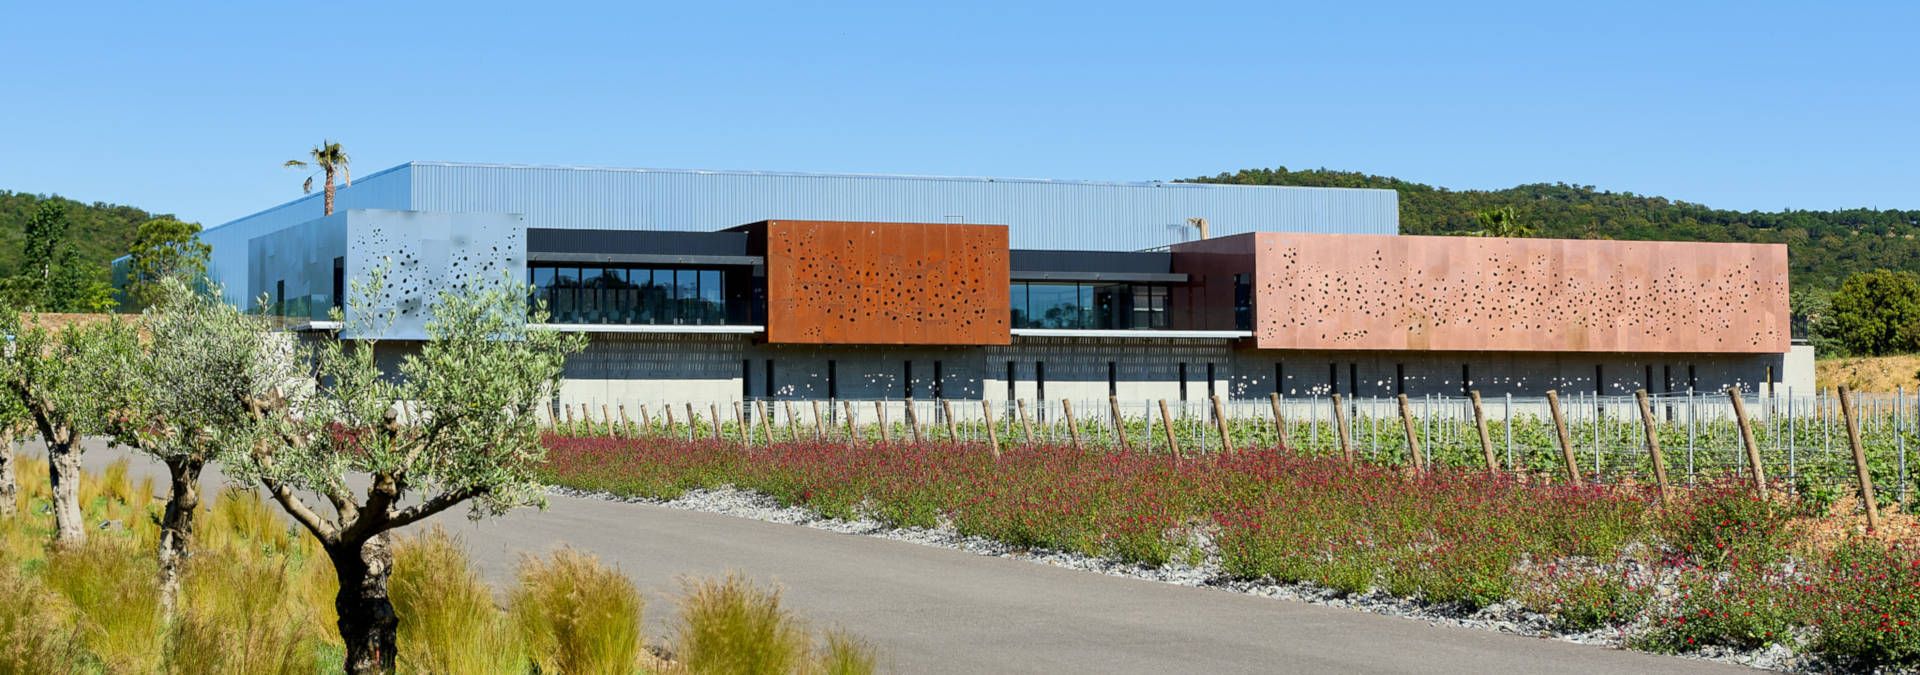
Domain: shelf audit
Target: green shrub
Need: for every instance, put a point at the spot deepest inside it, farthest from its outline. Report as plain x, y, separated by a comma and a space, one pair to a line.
1590, 599
448, 620
576, 615
1747, 607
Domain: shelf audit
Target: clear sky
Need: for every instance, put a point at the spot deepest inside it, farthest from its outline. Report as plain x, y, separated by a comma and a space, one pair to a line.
1740, 105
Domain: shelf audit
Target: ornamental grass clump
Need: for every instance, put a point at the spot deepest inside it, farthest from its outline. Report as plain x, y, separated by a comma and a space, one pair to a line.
730, 626
576, 615
448, 620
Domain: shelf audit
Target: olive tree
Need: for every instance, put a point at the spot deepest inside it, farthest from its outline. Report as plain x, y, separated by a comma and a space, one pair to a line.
456, 423
186, 404
69, 381
13, 424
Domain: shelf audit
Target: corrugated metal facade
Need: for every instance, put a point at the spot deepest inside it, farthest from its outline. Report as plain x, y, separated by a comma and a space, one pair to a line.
1040, 214
389, 189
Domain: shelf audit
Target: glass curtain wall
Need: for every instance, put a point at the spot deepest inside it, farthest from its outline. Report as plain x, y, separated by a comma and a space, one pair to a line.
1090, 306
630, 295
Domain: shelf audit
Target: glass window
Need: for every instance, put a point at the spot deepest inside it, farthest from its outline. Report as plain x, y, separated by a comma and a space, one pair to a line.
1054, 305
1017, 303
686, 294
561, 296
713, 299
1109, 306
542, 282
1150, 307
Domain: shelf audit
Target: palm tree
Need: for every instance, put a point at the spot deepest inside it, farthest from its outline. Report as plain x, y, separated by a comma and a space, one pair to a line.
1502, 222
329, 157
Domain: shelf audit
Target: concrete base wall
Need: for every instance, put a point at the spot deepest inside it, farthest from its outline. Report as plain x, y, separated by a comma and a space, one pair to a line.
655, 369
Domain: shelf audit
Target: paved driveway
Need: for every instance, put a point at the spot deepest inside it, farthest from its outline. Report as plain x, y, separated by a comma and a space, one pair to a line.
941, 611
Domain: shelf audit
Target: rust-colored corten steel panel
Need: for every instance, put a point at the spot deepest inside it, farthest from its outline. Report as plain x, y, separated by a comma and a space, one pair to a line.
1521, 295
886, 283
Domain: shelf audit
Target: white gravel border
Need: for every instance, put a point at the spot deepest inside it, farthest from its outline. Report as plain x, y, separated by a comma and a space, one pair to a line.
1504, 617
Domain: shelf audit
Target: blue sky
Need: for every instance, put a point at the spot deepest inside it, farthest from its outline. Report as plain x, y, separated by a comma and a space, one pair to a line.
1736, 105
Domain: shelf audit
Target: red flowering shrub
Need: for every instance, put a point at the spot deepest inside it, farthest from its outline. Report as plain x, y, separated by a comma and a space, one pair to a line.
1868, 604
1459, 537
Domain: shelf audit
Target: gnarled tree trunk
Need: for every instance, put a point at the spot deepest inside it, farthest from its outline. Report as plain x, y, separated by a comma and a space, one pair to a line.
63, 471
176, 526
9, 486
367, 621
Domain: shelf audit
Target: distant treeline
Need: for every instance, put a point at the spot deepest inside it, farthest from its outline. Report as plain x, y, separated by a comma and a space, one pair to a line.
1824, 247
99, 232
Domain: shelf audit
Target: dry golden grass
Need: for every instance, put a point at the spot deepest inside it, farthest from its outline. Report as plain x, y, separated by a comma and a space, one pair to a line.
576, 615
1870, 374
448, 620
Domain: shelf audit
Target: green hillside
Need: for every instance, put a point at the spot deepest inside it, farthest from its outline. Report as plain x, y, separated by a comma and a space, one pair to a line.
1823, 246
100, 231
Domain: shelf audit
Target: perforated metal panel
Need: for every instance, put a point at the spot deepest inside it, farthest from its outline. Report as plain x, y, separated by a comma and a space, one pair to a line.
886, 283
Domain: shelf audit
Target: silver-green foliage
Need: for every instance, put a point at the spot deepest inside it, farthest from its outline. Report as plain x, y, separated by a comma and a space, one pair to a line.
70, 382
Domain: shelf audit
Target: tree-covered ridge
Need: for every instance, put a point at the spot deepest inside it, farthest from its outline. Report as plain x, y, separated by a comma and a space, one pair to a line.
1824, 247
99, 231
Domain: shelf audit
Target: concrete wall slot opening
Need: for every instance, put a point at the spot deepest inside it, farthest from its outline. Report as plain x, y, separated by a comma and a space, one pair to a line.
939, 391
1040, 380
768, 387
1466, 380
906, 380
746, 379
1113, 379
833, 380
1011, 379
1183, 381
1399, 378
1210, 393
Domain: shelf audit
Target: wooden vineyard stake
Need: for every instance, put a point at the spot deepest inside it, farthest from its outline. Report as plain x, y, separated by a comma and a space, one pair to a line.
853, 433
1119, 423
819, 426
953, 428
1025, 423
1566, 441
1340, 428
1653, 445
880, 414
1413, 437
766, 422
1486, 440
646, 419
1220, 423
793, 422
1073, 428
1166, 422
626, 424
1746, 438
1279, 423
1859, 460
913, 420
993, 435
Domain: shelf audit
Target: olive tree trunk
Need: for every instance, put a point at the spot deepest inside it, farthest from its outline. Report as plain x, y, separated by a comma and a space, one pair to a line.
176, 526
63, 472
9, 486
367, 621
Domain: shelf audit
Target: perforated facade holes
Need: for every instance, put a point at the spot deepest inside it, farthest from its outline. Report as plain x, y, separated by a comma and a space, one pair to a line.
1456, 294
886, 283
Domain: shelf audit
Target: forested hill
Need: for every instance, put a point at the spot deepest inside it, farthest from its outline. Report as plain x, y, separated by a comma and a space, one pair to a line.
99, 231
1823, 246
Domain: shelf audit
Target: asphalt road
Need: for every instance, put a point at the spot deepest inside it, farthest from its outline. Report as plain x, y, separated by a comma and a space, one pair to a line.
933, 610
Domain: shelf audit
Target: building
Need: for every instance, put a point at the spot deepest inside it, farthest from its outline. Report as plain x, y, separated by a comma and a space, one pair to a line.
715, 286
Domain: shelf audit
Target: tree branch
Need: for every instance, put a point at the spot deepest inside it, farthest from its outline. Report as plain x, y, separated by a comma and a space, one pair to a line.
438, 503
315, 523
